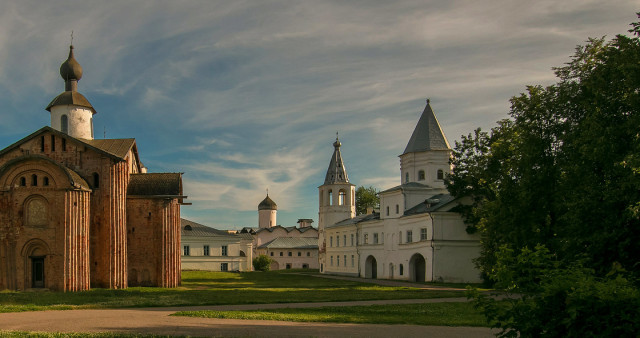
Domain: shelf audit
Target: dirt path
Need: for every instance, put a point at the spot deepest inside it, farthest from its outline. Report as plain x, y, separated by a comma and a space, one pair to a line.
159, 321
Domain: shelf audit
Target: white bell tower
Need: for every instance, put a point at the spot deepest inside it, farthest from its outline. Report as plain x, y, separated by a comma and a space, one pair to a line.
71, 112
337, 198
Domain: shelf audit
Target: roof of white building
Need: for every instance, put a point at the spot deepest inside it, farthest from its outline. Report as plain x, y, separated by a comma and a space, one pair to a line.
428, 134
357, 219
434, 203
193, 229
291, 243
405, 186
431, 204
255, 230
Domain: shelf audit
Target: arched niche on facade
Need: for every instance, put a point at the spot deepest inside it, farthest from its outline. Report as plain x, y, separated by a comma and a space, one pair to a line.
36, 211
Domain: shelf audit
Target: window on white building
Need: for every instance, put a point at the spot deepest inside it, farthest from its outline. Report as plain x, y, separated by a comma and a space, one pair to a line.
409, 236
331, 260
205, 250
331, 241
375, 238
421, 175
423, 234
344, 240
225, 250
397, 209
224, 266
337, 260
64, 124
352, 260
351, 239
440, 174
186, 251
366, 238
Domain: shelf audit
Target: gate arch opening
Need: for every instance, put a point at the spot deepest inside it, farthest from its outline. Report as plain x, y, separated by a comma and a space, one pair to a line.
371, 268
417, 268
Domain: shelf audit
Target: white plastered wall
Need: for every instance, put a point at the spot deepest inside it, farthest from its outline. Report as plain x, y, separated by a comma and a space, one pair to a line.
79, 119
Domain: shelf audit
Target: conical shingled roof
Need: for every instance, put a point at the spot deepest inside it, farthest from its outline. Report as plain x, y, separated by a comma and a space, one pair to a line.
267, 204
336, 173
428, 134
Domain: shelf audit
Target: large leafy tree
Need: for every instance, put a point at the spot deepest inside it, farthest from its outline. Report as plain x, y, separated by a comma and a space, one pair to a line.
366, 197
564, 169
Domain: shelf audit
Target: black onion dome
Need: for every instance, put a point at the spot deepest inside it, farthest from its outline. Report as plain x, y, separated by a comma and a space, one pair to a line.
71, 69
267, 204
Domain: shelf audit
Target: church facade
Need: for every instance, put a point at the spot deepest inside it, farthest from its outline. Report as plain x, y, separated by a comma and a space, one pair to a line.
78, 212
416, 235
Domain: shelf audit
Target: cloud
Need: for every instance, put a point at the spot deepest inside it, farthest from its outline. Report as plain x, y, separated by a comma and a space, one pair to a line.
241, 179
245, 95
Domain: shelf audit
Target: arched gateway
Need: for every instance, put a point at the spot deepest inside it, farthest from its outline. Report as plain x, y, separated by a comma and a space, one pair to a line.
417, 268
371, 268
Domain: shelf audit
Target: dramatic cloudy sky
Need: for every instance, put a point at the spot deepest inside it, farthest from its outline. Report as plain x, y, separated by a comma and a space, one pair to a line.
242, 96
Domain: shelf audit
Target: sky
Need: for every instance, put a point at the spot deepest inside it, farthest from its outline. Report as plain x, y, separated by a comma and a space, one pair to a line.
245, 96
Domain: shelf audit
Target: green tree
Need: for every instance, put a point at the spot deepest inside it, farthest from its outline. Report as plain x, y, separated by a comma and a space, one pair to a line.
562, 175
564, 169
366, 198
262, 263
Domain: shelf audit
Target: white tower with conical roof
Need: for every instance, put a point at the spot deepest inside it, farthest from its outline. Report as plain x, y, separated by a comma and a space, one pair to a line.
337, 198
267, 213
71, 112
425, 160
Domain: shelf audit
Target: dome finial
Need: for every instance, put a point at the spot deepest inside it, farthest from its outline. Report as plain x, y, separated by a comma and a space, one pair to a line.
337, 143
428, 101
71, 72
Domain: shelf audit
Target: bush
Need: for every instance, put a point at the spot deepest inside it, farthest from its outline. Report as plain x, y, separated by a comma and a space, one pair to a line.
565, 302
262, 263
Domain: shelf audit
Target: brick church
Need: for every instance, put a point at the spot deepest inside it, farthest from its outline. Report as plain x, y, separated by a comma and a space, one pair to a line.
78, 212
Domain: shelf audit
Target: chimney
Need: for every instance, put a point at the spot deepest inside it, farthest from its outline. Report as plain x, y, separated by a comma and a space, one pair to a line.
305, 222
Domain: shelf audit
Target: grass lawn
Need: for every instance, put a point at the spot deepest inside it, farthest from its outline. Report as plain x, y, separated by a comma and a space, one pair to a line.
217, 288
443, 314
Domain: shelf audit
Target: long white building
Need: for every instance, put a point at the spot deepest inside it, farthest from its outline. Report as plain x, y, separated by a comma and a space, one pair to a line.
416, 235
